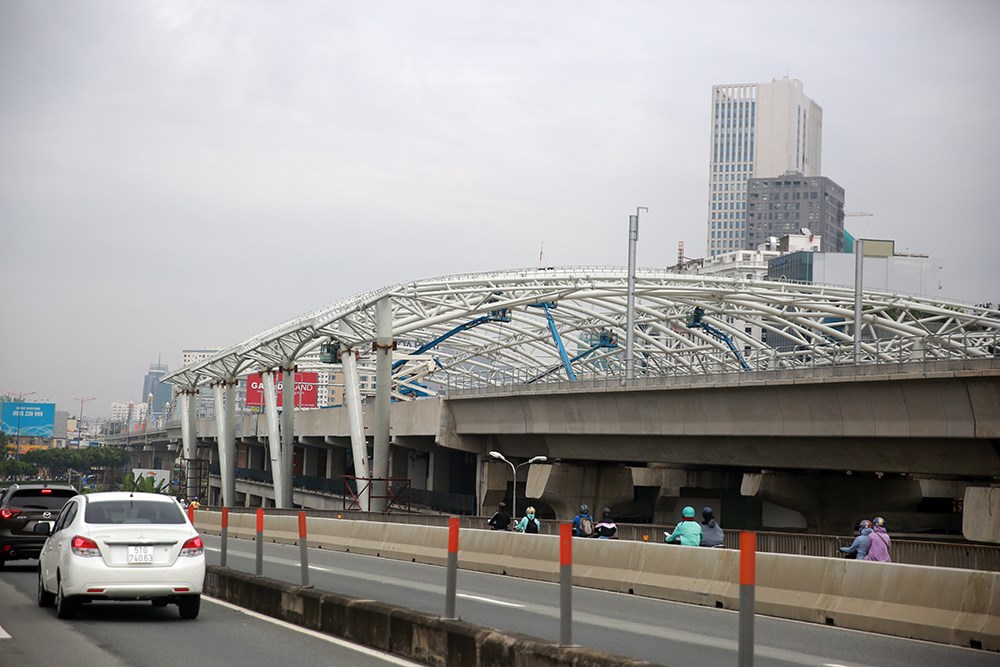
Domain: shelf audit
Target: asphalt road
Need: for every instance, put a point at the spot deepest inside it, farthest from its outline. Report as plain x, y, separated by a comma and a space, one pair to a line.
126, 634
662, 632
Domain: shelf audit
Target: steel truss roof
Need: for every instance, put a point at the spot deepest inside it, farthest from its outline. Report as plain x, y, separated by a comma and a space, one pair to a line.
772, 325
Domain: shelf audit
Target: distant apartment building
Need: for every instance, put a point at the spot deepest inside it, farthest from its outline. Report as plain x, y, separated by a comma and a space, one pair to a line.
782, 205
128, 412
206, 401
758, 130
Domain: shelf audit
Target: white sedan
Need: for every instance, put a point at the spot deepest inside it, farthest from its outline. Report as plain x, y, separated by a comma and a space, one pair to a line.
121, 546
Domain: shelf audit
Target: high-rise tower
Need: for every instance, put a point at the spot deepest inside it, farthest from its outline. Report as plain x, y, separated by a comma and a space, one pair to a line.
762, 130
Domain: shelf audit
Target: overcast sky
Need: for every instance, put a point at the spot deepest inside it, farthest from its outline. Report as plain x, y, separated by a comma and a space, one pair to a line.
178, 175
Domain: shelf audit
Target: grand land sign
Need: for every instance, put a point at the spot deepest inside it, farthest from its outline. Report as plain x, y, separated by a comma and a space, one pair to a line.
33, 420
305, 390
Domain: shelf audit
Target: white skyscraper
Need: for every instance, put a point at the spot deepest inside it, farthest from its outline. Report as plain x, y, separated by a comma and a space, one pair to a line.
758, 130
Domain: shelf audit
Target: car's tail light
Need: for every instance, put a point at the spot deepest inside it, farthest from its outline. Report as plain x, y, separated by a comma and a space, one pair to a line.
7, 513
193, 547
84, 546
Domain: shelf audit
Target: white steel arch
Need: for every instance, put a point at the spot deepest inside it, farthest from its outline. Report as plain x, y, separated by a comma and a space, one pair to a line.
500, 333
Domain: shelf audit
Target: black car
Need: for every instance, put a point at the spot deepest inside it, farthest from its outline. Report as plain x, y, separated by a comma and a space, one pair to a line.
21, 507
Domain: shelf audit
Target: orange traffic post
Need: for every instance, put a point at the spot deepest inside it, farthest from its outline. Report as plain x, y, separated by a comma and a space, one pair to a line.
565, 584
304, 549
452, 576
191, 514
225, 536
260, 541
748, 556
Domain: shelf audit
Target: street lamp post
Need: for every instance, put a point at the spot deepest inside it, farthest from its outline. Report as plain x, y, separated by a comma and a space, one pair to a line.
633, 239
514, 469
79, 419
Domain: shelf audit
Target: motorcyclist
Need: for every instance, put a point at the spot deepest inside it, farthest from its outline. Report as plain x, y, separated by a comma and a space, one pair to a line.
588, 522
500, 519
606, 528
711, 531
687, 532
859, 547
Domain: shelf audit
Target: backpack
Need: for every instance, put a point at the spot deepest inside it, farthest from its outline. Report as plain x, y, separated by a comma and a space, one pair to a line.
532, 526
586, 526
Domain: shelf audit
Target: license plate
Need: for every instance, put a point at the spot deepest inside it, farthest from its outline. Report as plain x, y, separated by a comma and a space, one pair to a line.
139, 554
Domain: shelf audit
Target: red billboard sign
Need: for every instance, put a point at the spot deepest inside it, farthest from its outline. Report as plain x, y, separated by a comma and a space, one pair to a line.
305, 390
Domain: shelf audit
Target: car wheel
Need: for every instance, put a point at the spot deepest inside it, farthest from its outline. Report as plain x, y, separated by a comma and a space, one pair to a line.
65, 606
45, 599
189, 606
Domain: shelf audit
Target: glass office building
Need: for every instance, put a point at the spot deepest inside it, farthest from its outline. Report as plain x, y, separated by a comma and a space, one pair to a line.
762, 130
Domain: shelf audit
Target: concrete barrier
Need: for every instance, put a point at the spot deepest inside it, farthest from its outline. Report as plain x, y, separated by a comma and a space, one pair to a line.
421, 637
953, 606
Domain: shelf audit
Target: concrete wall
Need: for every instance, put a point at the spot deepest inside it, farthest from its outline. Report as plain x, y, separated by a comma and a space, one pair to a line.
960, 607
424, 638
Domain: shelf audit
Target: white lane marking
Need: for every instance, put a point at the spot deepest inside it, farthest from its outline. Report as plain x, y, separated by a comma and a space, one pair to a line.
387, 657
488, 600
311, 567
3, 633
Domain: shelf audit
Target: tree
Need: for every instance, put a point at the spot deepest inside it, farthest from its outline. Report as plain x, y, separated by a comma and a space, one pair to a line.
86, 460
132, 482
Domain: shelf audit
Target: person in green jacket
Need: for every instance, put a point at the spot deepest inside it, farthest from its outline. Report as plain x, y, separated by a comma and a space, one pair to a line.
688, 531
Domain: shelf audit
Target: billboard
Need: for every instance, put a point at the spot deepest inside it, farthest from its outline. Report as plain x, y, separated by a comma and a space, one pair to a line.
305, 390
32, 420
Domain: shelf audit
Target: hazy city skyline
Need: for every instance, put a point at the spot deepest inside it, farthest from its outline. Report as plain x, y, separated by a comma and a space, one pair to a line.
185, 175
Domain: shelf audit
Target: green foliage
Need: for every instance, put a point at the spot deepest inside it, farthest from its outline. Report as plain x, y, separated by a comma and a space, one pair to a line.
58, 461
11, 468
131, 482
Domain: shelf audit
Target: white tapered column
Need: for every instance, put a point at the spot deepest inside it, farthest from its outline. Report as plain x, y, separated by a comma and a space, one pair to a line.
359, 446
225, 417
273, 432
383, 395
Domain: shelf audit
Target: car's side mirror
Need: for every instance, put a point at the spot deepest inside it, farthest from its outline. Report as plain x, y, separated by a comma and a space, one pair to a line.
43, 528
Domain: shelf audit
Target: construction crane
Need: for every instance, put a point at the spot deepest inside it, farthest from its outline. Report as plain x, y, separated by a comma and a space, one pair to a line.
859, 214
697, 322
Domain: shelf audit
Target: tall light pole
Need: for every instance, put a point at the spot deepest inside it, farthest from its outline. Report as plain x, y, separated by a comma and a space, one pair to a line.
514, 469
79, 419
633, 239
859, 282
19, 410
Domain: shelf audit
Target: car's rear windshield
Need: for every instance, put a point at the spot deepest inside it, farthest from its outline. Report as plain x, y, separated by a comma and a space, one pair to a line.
133, 511
40, 499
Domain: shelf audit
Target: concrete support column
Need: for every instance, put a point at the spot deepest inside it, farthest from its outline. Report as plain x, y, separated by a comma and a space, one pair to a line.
273, 433
437, 471
383, 394
284, 500
981, 514
225, 417
336, 461
565, 487
832, 504
189, 435
359, 445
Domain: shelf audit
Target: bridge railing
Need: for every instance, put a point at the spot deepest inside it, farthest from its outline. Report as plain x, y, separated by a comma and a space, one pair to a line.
515, 380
